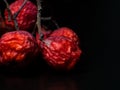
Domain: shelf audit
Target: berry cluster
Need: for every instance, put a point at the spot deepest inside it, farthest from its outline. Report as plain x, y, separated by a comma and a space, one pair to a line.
60, 48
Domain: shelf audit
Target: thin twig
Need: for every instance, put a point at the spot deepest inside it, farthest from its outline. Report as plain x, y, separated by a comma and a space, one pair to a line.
46, 18
16, 24
34, 29
39, 7
16, 14
56, 24
8, 9
10, 14
50, 19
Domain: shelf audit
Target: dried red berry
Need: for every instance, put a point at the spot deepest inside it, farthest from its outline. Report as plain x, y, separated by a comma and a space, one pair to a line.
67, 32
60, 52
17, 46
27, 16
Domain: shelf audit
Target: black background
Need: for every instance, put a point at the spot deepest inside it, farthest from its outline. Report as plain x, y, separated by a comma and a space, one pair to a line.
96, 22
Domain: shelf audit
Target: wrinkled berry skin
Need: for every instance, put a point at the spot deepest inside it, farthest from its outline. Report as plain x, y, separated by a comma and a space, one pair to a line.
26, 18
67, 32
17, 46
60, 52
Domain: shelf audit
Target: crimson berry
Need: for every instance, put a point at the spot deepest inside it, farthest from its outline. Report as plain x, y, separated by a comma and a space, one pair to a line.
27, 16
60, 52
67, 32
17, 46
61, 48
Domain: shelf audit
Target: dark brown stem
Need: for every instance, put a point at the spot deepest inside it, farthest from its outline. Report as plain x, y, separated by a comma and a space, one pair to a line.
8, 9
46, 18
56, 24
39, 7
16, 14
50, 19
34, 29
16, 24
10, 15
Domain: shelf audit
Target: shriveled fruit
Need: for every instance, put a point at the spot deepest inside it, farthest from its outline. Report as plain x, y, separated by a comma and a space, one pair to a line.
17, 46
27, 16
60, 52
67, 32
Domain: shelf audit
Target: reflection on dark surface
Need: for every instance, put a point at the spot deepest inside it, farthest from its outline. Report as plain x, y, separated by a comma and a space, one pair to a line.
50, 80
43, 82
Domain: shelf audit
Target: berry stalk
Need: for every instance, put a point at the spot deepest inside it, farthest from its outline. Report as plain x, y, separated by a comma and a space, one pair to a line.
56, 24
10, 17
39, 7
53, 21
9, 11
16, 14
